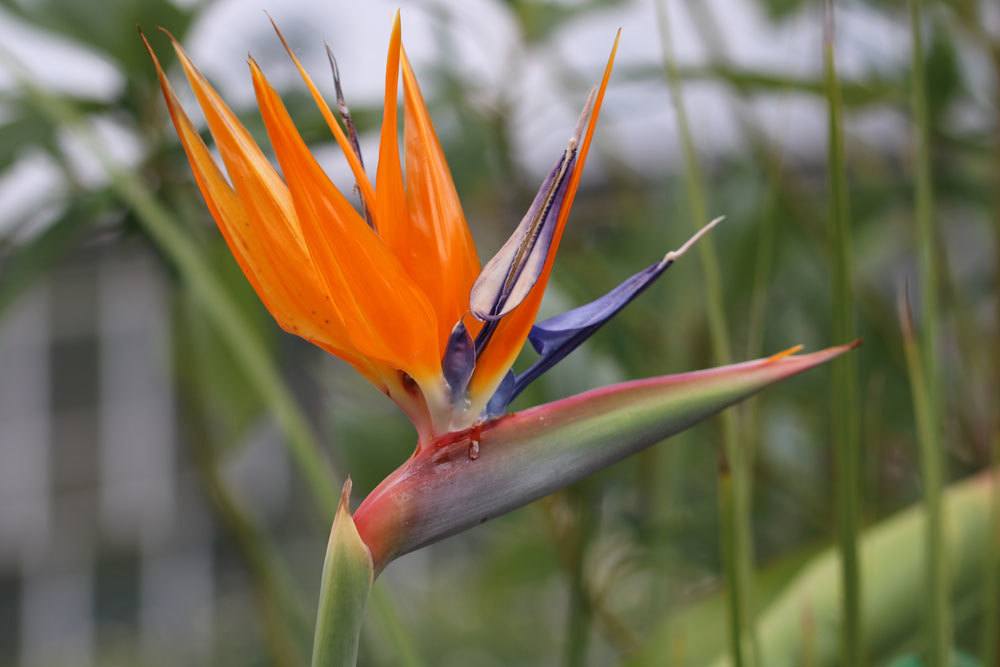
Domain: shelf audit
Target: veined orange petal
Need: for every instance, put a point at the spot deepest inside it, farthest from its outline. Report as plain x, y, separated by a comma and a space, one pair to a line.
262, 185
290, 308
440, 253
391, 209
222, 202
360, 177
507, 341
269, 209
387, 317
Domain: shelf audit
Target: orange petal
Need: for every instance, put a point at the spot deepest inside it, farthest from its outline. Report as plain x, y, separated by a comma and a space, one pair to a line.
360, 177
795, 349
294, 297
507, 341
391, 209
222, 202
387, 317
440, 253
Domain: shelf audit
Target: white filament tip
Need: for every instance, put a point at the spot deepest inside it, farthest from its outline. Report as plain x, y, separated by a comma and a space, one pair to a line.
677, 254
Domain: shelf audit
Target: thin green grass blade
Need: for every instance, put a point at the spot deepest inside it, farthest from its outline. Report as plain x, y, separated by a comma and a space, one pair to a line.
392, 628
925, 369
990, 641
282, 614
845, 417
734, 484
938, 605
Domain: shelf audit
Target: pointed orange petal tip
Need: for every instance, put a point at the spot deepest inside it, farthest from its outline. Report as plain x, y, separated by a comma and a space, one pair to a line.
149, 47
277, 30
360, 177
169, 34
795, 349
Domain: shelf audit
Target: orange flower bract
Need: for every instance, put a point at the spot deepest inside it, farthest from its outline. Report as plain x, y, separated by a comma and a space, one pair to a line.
384, 296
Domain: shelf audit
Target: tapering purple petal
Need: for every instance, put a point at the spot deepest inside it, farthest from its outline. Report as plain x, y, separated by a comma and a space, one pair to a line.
557, 336
459, 360
502, 397
509, 276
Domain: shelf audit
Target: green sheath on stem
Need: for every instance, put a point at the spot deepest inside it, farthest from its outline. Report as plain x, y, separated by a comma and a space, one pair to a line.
348, 574
845, 406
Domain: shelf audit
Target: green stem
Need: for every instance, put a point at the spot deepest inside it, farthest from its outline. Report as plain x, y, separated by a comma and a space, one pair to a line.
216, 304
924, 367
405, 653
579, 612
285, 625
938, 631
734, 492
991, 614
844, 415
990, 642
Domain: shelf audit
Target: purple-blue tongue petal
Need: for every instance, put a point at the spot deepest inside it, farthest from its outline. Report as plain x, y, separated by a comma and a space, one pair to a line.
459, 360
557, 336
509, 276
502, 397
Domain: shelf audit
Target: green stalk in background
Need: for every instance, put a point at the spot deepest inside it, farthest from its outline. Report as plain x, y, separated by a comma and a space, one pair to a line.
285, 625
844, 413
990, 643
926, 394
939, 617
734, 482
584, 499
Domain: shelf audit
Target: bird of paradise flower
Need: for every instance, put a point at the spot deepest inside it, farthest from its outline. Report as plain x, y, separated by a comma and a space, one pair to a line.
395, 289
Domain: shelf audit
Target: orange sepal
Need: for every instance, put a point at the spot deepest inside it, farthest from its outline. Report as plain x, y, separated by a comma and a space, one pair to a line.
387, 317
249, 243
439, 254
360, 177
509, 337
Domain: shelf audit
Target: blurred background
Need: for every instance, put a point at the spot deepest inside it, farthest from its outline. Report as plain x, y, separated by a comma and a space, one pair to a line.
151, 512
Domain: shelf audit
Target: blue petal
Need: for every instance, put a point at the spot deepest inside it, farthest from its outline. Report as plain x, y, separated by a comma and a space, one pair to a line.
502, 397
459, 360
557, 336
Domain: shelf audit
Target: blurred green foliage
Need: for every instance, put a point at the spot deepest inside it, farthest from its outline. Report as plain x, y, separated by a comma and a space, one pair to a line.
637, 546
